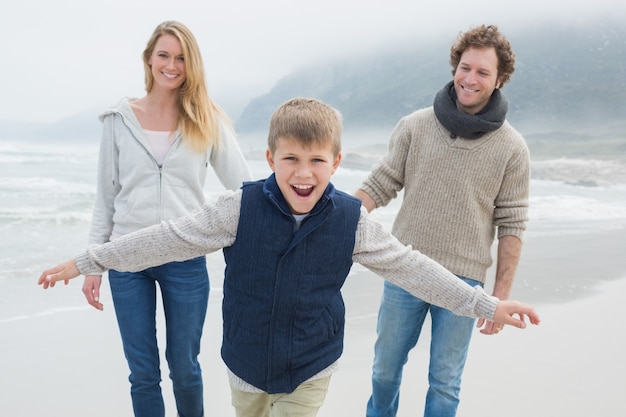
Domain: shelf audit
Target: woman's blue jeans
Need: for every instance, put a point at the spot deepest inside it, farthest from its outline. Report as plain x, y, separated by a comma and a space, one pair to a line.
400, 319
185, 292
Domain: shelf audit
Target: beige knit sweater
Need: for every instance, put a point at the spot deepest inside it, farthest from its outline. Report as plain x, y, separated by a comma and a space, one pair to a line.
457, 191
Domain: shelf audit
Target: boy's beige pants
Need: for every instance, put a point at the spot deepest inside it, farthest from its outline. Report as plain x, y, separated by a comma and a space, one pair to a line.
305, 401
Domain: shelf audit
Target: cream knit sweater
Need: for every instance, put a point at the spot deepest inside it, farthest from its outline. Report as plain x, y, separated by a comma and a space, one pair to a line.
215, 227
457, 191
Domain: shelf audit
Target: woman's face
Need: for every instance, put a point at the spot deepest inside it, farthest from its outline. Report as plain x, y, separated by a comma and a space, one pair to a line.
168, 63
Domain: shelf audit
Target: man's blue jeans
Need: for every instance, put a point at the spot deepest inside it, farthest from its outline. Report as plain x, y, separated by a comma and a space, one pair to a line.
400, 320
185, 293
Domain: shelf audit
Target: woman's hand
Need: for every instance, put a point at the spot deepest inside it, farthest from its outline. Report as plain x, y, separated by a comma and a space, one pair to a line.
91, 289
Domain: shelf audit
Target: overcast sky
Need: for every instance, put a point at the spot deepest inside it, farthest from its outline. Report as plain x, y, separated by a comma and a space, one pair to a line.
63, 57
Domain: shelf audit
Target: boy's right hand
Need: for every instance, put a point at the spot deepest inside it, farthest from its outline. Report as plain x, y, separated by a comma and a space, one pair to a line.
91, 289
63, 272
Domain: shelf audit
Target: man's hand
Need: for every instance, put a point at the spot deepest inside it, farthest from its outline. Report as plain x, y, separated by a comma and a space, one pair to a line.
489, 327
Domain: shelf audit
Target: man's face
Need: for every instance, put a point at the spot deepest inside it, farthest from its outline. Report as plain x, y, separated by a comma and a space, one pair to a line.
475, 79
302, 173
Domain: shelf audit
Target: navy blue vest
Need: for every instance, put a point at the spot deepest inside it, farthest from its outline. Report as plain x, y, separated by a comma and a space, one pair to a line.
283, 311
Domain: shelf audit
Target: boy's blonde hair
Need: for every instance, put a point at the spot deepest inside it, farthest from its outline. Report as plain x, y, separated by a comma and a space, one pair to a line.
197, 113
307, 121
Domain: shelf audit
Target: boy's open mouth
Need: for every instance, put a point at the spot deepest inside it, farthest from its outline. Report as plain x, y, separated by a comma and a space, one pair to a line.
303, 190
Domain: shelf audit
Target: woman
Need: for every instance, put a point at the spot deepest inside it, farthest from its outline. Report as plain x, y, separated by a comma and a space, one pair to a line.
153, 161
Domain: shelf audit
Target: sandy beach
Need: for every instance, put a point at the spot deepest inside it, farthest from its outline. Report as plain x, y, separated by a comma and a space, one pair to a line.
70, 363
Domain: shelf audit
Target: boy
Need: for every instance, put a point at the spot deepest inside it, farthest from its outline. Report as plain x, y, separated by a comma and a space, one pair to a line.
289, 242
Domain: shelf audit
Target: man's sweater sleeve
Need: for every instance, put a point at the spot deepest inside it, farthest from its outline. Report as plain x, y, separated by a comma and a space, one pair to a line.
387, 176
511, 205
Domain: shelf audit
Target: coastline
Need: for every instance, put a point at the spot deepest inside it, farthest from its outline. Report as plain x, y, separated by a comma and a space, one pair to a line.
560, 268
586, 172
589, 172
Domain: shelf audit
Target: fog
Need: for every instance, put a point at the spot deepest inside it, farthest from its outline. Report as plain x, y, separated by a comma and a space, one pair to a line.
67, 57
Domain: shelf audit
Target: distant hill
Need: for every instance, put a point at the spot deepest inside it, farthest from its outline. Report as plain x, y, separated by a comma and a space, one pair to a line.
567, 78
78, 128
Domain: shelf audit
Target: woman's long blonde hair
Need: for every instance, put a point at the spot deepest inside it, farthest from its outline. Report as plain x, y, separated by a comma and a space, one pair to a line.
197, 113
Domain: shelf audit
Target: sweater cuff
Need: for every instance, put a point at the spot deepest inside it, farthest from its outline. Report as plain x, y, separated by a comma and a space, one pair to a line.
378, 199
510, 231
86, 266
486, 306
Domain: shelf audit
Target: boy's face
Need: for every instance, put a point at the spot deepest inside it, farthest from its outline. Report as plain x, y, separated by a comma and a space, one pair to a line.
302, 173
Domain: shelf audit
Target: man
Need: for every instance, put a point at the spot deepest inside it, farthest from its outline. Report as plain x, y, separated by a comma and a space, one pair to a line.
465, 174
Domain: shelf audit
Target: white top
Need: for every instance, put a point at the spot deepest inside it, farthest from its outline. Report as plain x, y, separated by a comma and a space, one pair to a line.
160, 143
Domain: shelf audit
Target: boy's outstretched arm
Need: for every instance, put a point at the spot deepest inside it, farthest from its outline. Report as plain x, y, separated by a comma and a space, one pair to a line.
507, 309
63, 272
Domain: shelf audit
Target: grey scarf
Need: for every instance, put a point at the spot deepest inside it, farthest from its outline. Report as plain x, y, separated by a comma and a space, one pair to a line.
469, 126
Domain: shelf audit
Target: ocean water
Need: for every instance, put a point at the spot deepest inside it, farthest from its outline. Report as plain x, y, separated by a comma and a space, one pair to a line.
47, 192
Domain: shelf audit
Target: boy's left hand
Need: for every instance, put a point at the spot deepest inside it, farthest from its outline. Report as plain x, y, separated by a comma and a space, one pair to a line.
62, 272
505, 311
